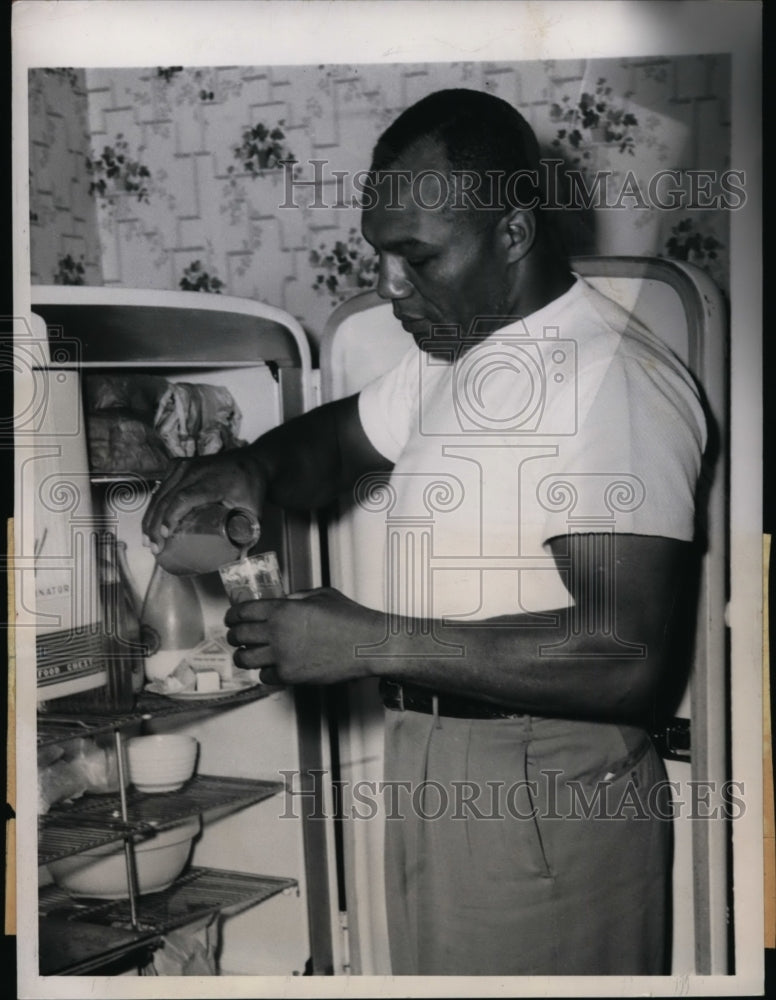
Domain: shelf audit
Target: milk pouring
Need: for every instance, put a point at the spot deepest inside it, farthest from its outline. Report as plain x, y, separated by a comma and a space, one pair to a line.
207, 537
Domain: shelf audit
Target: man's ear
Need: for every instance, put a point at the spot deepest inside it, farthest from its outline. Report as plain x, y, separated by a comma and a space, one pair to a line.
520, 232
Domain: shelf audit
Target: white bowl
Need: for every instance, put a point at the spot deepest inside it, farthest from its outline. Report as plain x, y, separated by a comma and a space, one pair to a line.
101, 872
161, 763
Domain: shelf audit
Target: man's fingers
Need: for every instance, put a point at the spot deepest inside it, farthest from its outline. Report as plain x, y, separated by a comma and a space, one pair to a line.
157, 507
248, 634
301, 595
269, 675
250, 611
253, 657
176, 506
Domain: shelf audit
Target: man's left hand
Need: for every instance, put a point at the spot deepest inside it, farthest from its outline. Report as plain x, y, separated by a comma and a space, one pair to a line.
307, 638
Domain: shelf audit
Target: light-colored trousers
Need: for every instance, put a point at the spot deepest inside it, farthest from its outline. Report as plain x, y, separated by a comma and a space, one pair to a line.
525, 846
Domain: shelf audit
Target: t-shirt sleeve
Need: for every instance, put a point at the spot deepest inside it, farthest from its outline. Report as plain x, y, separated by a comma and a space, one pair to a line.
387, 406
634, 463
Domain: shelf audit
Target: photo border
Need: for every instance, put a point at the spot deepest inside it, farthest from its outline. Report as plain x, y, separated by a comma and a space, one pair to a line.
148, 32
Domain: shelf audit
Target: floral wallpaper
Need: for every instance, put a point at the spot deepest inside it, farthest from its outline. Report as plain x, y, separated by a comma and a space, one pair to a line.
64, 233
174, 177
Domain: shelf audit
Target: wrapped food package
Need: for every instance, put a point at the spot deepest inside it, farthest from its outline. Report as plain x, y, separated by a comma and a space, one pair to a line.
182, 678
67, 771
194, 419
137, 393
120, 443
59, 782
136, 423
187, 951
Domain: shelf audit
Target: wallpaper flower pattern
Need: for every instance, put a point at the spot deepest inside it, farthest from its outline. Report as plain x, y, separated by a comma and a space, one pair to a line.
170, 177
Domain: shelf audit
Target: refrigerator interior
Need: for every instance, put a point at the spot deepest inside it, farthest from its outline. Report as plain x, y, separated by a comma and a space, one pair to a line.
252, 741
261, 357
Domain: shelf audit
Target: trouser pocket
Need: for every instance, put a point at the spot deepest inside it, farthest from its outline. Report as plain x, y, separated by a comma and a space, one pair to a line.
636, 744
599, 774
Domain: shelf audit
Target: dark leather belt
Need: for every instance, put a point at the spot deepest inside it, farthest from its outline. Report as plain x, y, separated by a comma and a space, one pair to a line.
411, 698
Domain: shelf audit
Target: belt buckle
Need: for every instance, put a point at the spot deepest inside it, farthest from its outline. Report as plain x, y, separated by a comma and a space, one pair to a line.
401, 697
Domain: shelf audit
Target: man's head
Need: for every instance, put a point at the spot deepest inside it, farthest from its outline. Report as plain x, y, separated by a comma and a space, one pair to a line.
451, 179
483, 139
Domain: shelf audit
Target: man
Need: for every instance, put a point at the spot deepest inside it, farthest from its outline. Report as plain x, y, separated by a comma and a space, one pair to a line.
567, 442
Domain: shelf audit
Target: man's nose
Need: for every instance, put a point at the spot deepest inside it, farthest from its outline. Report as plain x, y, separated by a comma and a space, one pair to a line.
392, 282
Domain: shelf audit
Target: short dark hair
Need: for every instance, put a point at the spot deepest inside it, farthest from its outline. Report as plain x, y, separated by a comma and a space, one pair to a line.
479, 132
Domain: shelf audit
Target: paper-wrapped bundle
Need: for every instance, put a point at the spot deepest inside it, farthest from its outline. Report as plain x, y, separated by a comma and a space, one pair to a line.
195, 419
137, 423
66, 771
137, 394
120, 443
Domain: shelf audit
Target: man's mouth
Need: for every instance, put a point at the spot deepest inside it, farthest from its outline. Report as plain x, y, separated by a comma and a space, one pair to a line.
410, 322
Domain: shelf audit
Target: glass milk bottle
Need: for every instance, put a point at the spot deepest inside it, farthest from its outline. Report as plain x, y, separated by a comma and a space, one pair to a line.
207, 537
131, 628
121, 651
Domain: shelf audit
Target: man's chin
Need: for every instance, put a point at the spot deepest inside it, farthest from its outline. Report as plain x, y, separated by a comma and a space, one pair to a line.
422, 332
436, 338
435, 349
417, 327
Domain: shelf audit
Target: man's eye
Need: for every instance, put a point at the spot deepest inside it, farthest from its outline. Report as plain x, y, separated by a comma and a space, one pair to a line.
417, 262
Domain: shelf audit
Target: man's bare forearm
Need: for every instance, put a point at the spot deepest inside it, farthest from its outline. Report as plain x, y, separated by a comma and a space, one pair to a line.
550, 669
600, 659
597, 659
308, 461
540, 669
302, 464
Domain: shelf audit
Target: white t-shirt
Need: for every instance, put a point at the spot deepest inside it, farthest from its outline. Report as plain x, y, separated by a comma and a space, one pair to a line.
574, 419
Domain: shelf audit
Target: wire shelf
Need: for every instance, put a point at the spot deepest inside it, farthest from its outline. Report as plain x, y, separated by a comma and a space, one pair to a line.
195, 895
75, 948
54, 727
96, 819
56, 842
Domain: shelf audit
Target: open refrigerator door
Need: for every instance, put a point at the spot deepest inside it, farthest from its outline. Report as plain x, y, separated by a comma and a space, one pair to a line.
363, 339
257, 357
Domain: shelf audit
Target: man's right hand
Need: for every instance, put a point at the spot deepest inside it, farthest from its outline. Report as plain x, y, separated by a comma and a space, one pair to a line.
235, 478
305, 463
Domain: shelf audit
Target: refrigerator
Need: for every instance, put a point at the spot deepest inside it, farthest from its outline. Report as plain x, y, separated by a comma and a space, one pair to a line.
319, 743
261, 356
